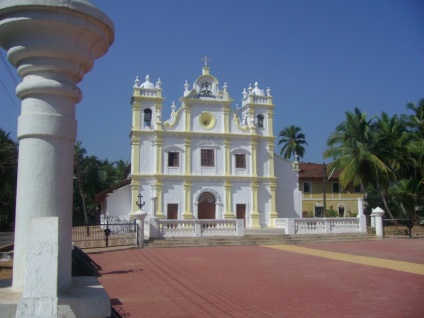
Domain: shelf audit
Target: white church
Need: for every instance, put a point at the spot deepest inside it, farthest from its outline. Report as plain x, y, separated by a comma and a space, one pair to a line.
209, 160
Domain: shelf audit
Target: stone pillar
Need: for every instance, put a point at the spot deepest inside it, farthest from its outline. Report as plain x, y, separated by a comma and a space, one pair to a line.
378, 214
52, 44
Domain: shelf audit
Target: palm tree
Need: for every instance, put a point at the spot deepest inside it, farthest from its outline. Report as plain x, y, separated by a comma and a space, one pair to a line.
293, 140
353, 148
121, 168
391, 140
416, 120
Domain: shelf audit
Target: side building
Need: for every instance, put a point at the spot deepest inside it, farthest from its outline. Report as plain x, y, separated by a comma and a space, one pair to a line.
339, 201
208, 160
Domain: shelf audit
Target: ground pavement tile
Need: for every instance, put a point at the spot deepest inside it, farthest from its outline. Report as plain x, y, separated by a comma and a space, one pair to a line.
254, 281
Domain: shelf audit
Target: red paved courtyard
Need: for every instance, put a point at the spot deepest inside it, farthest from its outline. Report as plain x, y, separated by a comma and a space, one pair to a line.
257, 281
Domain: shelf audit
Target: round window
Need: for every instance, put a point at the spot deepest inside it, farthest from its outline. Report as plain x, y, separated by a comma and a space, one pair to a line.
207, 120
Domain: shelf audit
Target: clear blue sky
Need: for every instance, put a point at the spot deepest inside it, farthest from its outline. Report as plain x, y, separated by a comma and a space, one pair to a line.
320, 59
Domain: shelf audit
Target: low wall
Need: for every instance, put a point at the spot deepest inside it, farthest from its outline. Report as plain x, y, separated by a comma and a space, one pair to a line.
195, 228
322, 225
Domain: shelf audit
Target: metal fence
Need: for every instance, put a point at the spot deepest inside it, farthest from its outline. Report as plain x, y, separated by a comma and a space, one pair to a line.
402, 228
113, 232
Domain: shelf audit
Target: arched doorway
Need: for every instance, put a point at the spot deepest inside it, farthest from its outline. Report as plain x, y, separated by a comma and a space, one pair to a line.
206, 207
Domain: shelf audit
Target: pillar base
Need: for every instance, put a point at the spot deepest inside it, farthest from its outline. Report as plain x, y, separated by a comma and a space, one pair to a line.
85, 298
254, 221
273, 216
188, 216
229, 216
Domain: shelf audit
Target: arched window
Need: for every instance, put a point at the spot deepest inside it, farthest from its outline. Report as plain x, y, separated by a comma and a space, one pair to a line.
260, 119
147, 117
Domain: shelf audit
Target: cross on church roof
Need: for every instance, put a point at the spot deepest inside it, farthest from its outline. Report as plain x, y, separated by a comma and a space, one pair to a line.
206, 59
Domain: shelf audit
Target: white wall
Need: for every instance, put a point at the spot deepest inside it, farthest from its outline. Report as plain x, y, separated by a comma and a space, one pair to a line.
288, 196
118, 203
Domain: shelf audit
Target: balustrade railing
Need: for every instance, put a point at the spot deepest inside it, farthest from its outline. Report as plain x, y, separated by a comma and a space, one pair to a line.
322, 225
195, 228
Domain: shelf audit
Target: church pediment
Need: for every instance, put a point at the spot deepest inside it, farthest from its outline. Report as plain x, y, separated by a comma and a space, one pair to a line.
206, 86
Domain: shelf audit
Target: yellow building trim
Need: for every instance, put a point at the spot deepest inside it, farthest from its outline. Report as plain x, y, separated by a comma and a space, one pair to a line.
253, 148
228, 201
273, 213
188, 214
158, 143
271, 159
187, 118
254, 215
200, 134
135, 155
270, 123
227, 154
173, 119
187, 154
236, 120
136, 116
209, 178
226, 118
158, 186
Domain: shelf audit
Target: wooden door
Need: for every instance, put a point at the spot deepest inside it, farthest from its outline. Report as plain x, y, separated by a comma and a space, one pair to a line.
172, 211
206, 207
241, 212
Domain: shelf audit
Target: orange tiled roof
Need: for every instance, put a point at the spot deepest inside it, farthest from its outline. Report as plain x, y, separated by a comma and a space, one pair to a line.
315, 170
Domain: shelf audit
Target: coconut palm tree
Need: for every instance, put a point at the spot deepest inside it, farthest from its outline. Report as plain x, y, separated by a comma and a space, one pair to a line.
293, 140
352, 147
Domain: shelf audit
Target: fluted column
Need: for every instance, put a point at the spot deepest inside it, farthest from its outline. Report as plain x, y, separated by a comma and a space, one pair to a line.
52, 44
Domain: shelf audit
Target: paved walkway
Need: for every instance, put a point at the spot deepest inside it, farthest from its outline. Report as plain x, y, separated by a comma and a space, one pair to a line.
356, 279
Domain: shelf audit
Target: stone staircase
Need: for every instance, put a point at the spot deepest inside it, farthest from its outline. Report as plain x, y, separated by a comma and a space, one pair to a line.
257, 237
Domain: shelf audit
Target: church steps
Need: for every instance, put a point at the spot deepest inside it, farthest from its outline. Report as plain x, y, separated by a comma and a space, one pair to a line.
255, 240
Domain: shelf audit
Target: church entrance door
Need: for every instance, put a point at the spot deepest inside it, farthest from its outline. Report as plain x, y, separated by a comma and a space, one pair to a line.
206, 207
241, 212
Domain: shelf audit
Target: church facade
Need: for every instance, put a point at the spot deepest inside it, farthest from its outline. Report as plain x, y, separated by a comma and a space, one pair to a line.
208, 160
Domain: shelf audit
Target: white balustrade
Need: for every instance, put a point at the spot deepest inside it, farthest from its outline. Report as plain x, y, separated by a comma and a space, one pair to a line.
197, 228
321, 225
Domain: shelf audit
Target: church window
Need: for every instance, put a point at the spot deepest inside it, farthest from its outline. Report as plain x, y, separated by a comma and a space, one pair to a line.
306, 187
260, 121
207, 158
147, 117
173, 159
240, 161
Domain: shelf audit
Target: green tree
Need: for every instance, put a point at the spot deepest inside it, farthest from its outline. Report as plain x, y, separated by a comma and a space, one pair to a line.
292, 139
91, 176
390, 144
87, 181
8, 179
352, 147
